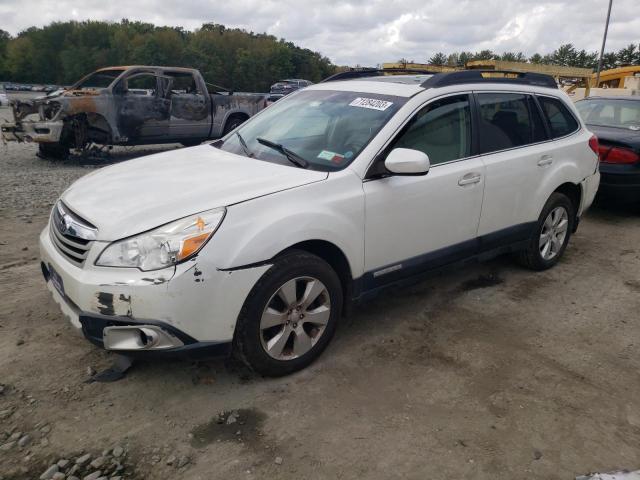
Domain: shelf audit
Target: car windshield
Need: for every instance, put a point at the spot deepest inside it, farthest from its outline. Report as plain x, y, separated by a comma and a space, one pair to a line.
101, 79
326, 129
610, 113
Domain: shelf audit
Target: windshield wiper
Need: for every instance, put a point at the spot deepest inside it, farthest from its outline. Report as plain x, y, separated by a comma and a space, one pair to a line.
291, 156
244, 146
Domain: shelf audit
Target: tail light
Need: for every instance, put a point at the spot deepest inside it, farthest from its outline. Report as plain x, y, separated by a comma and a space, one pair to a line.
593, 144
617, 155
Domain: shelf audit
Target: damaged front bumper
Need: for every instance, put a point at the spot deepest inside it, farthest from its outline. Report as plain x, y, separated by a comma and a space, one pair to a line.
187, 309
32, 131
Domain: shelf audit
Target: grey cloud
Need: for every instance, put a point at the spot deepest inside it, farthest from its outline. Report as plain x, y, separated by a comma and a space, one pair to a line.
368, 32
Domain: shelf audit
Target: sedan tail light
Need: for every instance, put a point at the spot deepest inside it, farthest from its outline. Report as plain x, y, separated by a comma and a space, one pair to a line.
593, 144
617, 155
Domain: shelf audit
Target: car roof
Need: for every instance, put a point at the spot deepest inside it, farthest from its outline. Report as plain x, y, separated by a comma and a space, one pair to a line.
410, 85
371, 86
612, 97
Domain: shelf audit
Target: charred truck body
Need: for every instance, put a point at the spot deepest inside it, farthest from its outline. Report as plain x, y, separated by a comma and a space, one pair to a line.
133, 105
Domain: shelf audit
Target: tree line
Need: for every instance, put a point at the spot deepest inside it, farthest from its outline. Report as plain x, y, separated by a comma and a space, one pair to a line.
565, 55
62, 52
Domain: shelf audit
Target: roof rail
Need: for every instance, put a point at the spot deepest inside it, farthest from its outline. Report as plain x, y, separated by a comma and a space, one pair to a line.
374, 72
479, 76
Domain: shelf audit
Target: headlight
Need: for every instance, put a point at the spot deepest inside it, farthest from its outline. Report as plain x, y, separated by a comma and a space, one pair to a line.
164, 246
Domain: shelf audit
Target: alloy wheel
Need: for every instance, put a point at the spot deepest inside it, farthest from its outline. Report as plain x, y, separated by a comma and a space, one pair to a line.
295, 318
554, 232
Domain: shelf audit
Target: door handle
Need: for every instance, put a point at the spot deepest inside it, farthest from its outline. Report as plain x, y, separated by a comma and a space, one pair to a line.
545, 160
469, 179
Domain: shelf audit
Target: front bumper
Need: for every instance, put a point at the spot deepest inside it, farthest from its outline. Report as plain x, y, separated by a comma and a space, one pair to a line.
30, 131
193, 306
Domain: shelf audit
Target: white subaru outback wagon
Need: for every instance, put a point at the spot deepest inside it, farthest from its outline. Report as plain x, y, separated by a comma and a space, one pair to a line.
256, 242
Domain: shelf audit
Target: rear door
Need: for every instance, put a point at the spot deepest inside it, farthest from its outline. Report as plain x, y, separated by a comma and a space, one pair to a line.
517, 156
190, 106
415, 223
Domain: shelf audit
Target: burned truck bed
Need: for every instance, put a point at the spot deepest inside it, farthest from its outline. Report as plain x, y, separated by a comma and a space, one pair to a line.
134, 105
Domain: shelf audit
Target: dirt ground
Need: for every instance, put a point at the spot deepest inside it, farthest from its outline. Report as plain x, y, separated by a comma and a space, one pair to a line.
491, 372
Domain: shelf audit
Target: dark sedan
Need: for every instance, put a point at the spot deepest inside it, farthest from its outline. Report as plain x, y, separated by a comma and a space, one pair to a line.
616, 123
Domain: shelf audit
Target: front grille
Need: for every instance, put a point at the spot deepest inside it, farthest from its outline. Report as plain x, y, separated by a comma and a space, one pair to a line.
71, 234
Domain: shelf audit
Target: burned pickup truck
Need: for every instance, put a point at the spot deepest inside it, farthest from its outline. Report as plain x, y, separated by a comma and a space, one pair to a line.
134, 105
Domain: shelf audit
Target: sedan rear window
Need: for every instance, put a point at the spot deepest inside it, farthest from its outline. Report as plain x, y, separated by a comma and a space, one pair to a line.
327, 129
610, 113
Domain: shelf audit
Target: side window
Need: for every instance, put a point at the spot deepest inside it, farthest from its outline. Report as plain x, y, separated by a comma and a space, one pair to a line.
508, 120
442, 130
183, 83
141, 84
561, 121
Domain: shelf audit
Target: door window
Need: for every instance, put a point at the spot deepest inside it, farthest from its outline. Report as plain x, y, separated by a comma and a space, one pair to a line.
561, 121
183, 83
442, 130
508, 120
142, 84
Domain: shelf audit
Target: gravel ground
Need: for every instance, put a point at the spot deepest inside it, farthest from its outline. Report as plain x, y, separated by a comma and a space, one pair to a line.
491, 372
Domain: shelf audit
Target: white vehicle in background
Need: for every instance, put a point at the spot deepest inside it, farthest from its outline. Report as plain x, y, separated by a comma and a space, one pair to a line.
256, 242
4, 99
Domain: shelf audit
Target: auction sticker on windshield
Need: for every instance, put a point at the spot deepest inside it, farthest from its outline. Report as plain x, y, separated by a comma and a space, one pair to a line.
372, 103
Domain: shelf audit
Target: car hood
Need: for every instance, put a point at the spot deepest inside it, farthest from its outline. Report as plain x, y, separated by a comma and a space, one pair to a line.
138, 195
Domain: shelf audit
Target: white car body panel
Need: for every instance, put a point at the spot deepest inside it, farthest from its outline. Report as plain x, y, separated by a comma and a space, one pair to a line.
332, 211
421, 223
172, 185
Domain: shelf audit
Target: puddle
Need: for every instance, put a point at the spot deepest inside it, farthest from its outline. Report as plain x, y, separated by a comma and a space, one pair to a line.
243, 425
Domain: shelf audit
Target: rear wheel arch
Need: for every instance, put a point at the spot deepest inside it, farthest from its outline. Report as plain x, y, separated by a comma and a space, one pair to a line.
573, 192
233, 120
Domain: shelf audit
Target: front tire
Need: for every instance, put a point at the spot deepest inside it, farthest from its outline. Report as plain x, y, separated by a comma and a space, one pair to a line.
290, 315
551, 234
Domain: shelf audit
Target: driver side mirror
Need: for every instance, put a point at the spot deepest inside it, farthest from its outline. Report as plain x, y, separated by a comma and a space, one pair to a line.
406, 161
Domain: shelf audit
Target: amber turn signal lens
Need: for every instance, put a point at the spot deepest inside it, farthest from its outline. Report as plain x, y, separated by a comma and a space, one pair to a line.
191, 245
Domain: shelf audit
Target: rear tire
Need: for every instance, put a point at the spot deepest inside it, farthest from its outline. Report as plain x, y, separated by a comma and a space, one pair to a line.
290, 315
53, 151
551, 234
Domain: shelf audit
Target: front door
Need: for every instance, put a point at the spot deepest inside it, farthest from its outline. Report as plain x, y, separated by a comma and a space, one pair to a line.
415, 223
190, 107
142, 109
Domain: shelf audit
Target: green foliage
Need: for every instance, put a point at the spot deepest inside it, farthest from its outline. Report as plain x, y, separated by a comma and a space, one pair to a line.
566, 55
63, 52
438, 59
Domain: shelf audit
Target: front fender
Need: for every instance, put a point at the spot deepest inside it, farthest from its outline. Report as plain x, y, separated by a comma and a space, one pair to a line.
257, 230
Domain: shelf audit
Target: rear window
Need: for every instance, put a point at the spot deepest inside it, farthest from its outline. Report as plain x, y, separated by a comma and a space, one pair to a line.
561, 121
617, 113
508, 120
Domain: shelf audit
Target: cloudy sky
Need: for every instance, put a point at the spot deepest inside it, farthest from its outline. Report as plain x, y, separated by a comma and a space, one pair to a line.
368, 32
